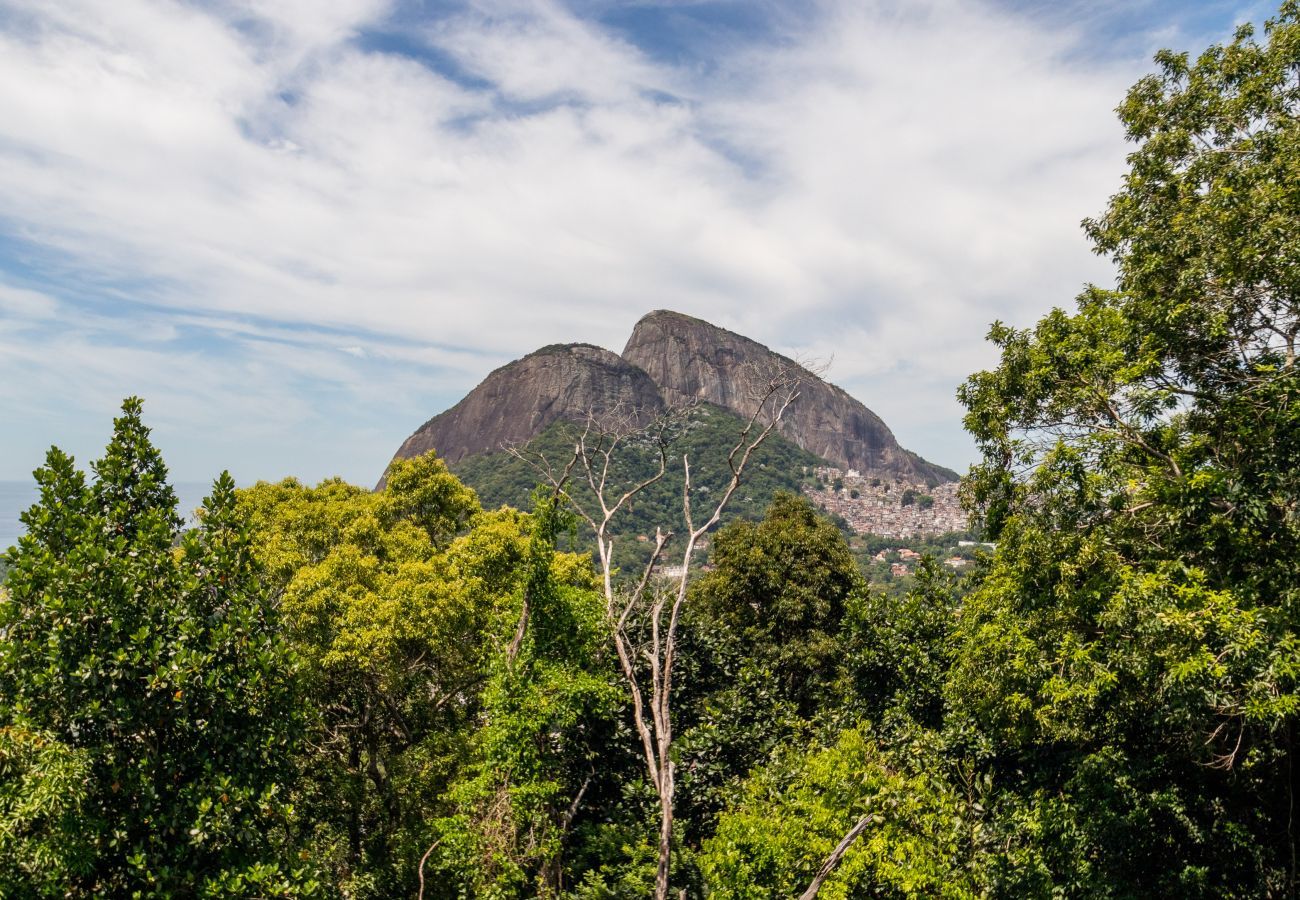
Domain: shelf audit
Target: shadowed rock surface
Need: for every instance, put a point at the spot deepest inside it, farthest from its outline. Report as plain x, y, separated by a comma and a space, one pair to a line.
517, 401
670, 359
690, 359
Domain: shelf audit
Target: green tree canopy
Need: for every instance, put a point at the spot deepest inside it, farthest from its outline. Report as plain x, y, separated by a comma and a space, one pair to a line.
777, 594
916, 828
144, 666
1133, 648
403, 604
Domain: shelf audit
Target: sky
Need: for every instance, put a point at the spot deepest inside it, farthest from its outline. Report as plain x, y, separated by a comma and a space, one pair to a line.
299, 229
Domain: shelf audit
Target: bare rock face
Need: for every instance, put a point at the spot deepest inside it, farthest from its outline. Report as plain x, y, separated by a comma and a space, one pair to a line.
671, 358
517, 401
689, 359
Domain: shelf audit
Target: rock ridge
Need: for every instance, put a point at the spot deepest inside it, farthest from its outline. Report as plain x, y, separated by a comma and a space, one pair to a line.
517, 401
691, 359
669, 359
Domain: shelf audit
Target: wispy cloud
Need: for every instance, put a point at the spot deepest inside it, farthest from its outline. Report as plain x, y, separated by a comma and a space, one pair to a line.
299, 243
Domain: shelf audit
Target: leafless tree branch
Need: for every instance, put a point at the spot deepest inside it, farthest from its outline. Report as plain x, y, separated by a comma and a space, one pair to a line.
829, 864
594, 458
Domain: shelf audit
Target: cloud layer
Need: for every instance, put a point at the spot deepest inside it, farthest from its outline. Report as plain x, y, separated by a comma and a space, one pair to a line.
300, 229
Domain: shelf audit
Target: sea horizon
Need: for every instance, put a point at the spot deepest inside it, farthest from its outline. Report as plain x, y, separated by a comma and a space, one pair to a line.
17, 496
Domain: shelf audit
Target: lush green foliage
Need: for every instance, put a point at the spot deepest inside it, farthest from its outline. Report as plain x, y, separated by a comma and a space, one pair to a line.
764, 648
776, 599
793, 813
427, 731
390, 631
1133, 648
395, 693
42, 791
545, 709
795, 654
144, 670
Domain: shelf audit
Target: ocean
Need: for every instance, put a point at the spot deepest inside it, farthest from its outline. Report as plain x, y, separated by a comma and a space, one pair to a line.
17, 496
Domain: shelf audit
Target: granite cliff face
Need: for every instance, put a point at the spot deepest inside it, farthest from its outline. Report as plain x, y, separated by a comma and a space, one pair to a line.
670, 358
690, 359
517, 401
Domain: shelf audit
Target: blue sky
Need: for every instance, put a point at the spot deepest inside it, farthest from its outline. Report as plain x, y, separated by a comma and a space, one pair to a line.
298, 229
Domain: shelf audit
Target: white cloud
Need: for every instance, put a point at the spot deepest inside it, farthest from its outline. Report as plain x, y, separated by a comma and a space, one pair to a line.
536, 49
877, 185
20, 306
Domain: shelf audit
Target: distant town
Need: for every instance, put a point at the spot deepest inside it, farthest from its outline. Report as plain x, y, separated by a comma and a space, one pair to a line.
875, 503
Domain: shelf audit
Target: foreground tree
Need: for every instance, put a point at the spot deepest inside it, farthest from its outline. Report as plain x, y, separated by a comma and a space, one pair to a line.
763, 650
43, 784
449, 735
814, 760
390, 631
853, 819
541, 749
1135, 648
142, 665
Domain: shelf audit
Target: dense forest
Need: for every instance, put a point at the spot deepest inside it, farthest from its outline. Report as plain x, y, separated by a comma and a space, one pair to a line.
335, 692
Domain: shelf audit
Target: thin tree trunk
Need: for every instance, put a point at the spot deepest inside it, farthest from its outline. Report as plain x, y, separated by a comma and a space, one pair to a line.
423, 860
828, 866
665, 833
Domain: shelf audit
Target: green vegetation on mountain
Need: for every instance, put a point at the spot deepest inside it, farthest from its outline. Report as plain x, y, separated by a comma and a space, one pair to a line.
706, 436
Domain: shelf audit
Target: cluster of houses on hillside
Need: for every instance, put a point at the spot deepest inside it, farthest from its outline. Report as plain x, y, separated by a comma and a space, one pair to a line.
872, 503
904, 559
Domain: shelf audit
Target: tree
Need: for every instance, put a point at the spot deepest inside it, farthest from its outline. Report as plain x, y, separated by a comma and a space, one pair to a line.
387, 609
800, 649
451, 650
762, 651
895, 649
644, 616
42, 794
776, 597
1133, 648
424, 492
887, 823
547, 710
143, 667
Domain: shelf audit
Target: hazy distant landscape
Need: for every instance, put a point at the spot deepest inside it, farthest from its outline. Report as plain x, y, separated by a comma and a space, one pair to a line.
17, 496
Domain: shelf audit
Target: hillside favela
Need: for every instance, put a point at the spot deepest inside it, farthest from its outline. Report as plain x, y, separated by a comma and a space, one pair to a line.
614, 449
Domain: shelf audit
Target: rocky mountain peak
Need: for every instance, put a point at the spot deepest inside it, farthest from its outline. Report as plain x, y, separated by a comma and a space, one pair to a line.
690, 359
670, 358
520, 399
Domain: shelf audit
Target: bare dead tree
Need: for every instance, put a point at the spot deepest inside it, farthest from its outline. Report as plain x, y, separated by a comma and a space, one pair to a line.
653, 605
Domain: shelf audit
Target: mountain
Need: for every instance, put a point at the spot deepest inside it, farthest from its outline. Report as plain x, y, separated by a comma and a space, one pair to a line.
691, 359
517, 402
669, 359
